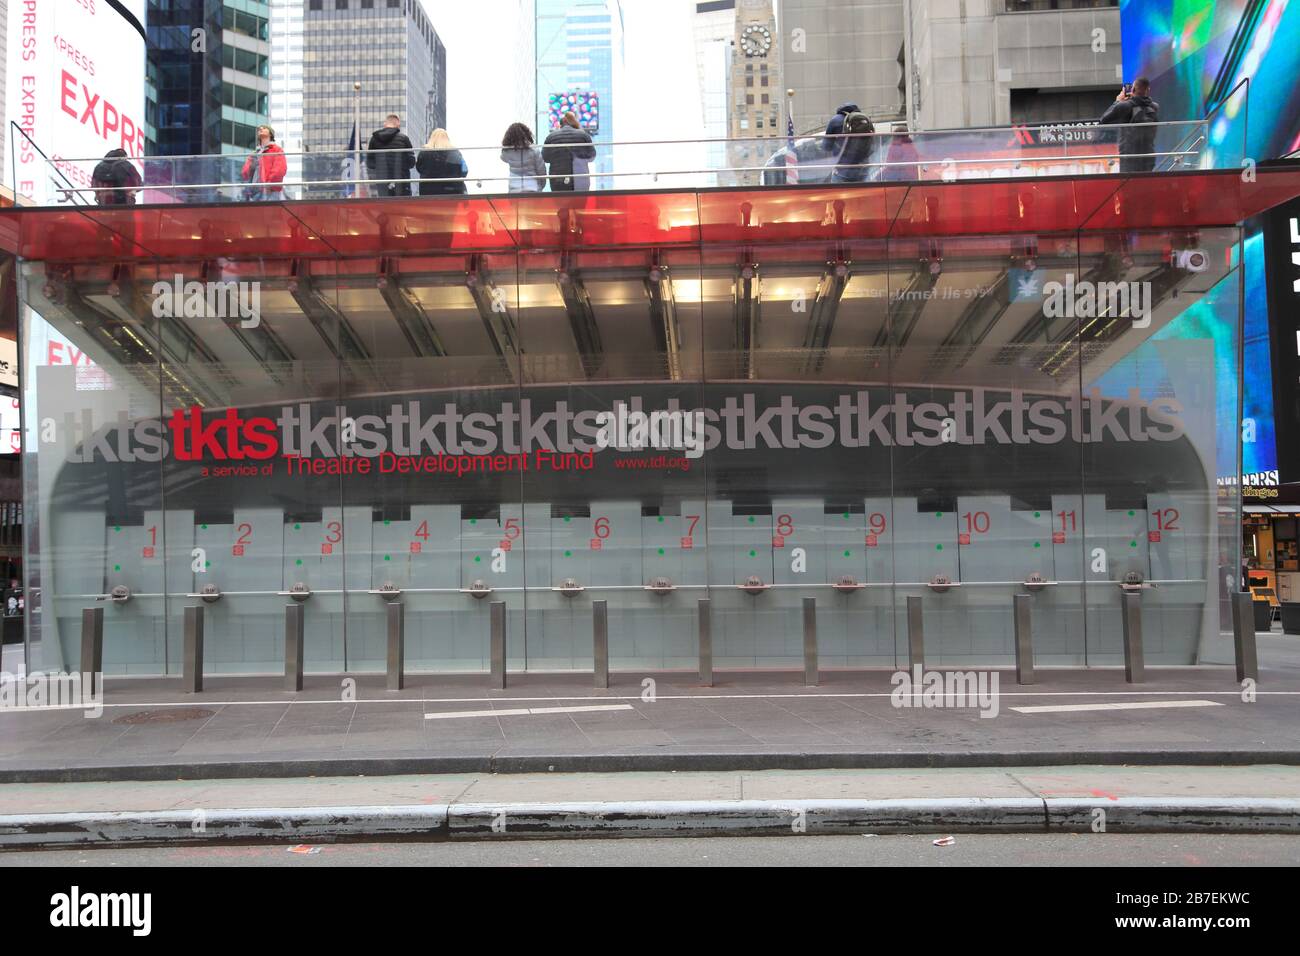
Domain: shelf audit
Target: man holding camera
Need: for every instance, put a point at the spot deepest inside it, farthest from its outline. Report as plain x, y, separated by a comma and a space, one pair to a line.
1134, 106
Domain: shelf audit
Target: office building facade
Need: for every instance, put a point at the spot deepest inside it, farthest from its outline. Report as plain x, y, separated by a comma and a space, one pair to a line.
714, 28
944, 64
756, 92
579, 50
391, 49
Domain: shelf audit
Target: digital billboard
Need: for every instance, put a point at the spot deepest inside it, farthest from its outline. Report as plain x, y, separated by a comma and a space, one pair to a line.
584, 104
75, 86
1197, 53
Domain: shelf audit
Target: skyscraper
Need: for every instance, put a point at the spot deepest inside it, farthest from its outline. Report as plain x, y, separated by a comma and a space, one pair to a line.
714, 25
183, 86
287, 18
756, 91
391, 49
580, 50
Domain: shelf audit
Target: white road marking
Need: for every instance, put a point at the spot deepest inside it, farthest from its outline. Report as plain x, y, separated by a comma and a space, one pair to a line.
703, 695
525, 711
1128, 705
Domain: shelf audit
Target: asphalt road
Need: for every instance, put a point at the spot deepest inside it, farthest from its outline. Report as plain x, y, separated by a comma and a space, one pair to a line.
1101, 850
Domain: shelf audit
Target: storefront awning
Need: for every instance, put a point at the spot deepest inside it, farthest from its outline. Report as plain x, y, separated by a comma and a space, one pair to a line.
415, 226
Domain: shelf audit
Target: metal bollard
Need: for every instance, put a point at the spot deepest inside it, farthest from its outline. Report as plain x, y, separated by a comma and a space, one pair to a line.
92, 647
915, 633
497, 646
600, 642
810, 674
396, 645
192, 662
294, 615
1020, 613
706, 642
1131, 610
1243, 635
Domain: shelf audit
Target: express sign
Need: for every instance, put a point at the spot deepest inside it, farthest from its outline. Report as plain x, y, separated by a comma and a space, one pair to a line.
76, 88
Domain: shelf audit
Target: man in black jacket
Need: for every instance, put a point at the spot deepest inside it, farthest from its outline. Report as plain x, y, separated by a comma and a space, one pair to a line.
392, 170
563, 145
1136, 146
115, 179
832, 142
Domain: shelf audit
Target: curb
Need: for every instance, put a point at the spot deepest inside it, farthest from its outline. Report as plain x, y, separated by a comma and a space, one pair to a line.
651, 819
619, 763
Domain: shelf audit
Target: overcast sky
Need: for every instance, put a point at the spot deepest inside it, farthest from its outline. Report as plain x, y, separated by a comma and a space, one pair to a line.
658, 98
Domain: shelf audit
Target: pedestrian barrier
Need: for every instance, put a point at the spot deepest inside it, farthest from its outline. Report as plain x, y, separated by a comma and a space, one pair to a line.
192, 662
294, 615
706, 642
600, 642
92, 644
497, 648
1243, 635
396, 618
1131, 611
810, 674
1021, 611
915, 633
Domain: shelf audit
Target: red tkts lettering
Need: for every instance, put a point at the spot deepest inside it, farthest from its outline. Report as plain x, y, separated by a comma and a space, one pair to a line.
229, 436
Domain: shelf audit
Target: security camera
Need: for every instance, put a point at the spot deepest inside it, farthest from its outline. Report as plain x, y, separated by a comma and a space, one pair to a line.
1190, 260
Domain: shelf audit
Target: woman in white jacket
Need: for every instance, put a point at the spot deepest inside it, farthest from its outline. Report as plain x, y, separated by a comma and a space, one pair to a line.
527, 171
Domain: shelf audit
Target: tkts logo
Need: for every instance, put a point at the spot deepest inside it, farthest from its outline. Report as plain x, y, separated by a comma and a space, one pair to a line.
227, 437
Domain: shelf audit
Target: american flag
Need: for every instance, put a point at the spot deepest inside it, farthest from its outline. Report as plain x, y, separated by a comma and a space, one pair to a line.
347, 172
791, 158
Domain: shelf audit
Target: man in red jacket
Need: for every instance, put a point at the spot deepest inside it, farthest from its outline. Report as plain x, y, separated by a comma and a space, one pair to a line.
265, 167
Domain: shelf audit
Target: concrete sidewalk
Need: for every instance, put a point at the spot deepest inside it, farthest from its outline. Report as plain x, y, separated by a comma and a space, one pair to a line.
241, 727
1260, 799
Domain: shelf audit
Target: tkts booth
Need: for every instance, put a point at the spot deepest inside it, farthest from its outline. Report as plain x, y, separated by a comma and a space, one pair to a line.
521, 407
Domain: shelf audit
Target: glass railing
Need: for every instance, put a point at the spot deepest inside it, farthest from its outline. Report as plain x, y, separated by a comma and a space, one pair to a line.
1056, 149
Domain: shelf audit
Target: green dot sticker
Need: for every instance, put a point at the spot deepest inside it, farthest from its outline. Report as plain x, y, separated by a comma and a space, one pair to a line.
298, 563
1132, 544
848, 554
387, 523
567, 519
1038, 514
473, 520
751, 519
117, 567
938, 514
661, 519
1132, 513
752, 552
846, 516
204, 527
661, 550
478, 558
207, 564
117, 527
568, 554
297, 527
938, 547
1038, 544
388, 557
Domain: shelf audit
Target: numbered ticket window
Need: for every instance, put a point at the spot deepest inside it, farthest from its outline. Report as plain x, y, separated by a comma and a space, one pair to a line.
1162, 416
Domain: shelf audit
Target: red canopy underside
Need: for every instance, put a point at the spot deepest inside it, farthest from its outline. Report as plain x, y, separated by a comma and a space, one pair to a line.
603, 220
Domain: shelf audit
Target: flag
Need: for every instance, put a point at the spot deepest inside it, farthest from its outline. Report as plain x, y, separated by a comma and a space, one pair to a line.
791, 157
348, 173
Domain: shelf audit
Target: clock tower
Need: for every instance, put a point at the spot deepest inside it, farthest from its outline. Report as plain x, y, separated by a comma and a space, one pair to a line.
755, 99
